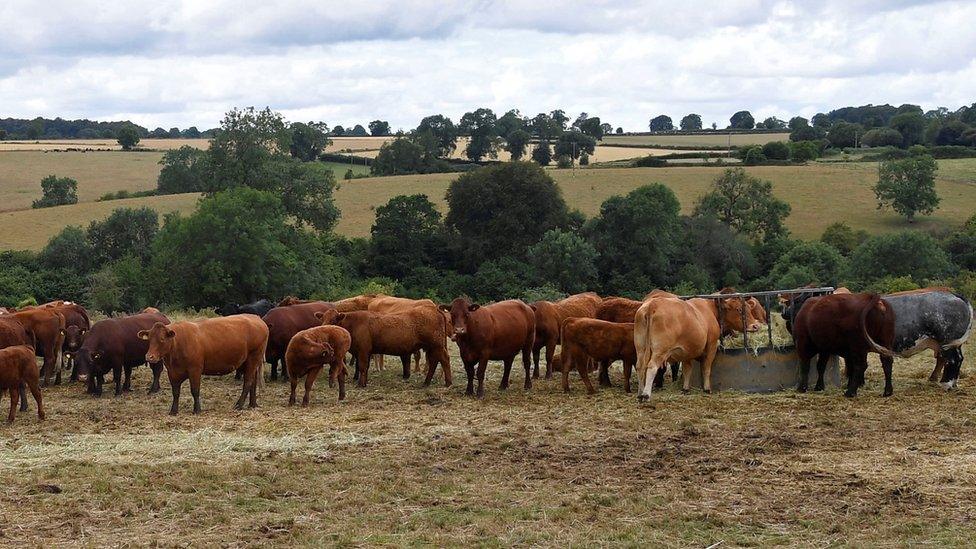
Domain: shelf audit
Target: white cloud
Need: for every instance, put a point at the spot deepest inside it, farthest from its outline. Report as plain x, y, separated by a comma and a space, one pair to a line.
185, 63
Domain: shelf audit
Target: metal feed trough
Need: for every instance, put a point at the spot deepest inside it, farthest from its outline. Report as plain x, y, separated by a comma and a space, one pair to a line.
762, 368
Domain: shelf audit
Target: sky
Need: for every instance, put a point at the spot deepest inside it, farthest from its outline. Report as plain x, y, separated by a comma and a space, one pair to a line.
182, 63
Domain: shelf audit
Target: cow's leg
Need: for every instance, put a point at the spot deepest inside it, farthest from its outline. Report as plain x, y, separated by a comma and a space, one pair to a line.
854, 373
550, 352
659, 378
686, 369
341, 378
886, 363
482, 368
355, 372
527, 362
157, 370
645, 379
22, 390
583, 367
469, 370
249, 373
604, 375
175, 384
117, 374
57, 367
127, 386
294, 385
239, 374
505, 373
804, 372
309, 381
74, 369
706, 366
14, 396
822, 359
416, 360
536, 355
35, 389
939, 366
195, 378
405, 360
444, 358
566, 364
98, 380
274, 369
284, 371
363, 360
628, 367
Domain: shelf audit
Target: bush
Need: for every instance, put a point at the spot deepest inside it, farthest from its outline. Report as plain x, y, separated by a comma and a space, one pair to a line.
650, 161
128, 137
908, 186
843, 238
754, 156
804, 151
564, 162
892, 284
57, 191
822, 263
584, 159
776, 150
905, 253
184, 170
951, 151
542, 153
565, 260
882, 137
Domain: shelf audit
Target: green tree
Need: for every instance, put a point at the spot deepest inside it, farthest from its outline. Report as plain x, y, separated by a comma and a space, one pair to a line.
908, 186
844, 134
403, 155
905, 253
565, 260
542, 153
128, 137
126, 231
545, 127
592, 127
308, 140
843, 238
742, 120
776, 150
510, 122
724, 257
516, 143
662, 123
501, 210
745, 203
68, 250
806, 133
573, 144
379, 128
442, 135
911, 126
882, 137
809, 263
357, 131
636, 236
305, 190
773, 123
246, 140
803, 151
406, 235
798, 122
691, 122
479, 126
57, 191
184, 170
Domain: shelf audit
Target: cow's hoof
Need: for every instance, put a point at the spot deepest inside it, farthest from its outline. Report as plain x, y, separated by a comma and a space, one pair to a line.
643, 398
888, 393
849, 394
801, 389
685, 391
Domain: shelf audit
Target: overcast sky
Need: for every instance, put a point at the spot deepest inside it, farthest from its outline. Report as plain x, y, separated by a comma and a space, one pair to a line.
163, 63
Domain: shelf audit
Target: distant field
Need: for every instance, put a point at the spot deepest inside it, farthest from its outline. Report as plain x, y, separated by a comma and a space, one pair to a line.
701, 140
820, 194
338, 143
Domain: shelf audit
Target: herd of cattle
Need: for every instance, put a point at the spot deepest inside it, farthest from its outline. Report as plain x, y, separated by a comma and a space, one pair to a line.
302, 337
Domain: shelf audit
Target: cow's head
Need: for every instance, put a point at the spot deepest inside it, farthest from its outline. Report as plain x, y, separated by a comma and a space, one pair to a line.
951, 364
758, 311
161, 339
460, 310
74, 336
330, 317
315, 351
737, 315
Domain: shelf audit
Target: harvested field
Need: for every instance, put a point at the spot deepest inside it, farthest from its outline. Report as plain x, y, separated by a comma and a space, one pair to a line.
397, 464
99, 144
718, 139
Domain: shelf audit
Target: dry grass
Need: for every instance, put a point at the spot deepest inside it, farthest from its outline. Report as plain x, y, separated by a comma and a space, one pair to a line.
705, 140
397, 464
99, 144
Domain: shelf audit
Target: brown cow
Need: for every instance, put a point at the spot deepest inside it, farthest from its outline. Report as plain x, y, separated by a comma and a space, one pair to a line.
846, 325
283, 323
668, 329
587, 338
47, 325
18, 368
213, 347
389, 304
549, 316
76, 325
13, 333
499, 331
398, 334
309, 351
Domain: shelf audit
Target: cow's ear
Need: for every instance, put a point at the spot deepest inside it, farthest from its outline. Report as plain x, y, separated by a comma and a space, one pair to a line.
340, 316
319, 315
170, 333
445, 308
474, 307
143, 334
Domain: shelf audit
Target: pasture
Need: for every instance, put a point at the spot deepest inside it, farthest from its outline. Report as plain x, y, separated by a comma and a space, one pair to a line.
717, 139
819, 193
399, 464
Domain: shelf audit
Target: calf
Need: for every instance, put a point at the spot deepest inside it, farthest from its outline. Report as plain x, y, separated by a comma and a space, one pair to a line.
213, 347
849, 326
114, 345
309, 351
499, 331
283, 323
398, 334
17, 369
586, 338
549, 317
621, 309
13, 333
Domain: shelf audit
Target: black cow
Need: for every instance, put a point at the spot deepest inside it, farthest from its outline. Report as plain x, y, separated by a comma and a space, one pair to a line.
259, 307
932, 318
113, 345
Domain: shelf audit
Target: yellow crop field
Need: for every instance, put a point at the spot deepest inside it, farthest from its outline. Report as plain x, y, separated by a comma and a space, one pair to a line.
718, 139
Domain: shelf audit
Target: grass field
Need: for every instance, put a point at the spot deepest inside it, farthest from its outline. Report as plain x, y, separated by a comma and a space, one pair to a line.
398, 464
718, 139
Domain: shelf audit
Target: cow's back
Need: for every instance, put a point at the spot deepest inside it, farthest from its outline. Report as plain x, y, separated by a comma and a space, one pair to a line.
507, 325
284, 322
668, 326
942, 316
120, 336
584, 305
13, 333
224, 341
618, 309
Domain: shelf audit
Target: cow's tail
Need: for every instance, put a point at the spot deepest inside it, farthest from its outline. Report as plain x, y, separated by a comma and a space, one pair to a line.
884, 351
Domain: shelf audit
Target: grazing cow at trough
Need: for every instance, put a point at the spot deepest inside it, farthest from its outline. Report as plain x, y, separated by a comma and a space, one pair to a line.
259, 307
936, 319
309, 351
18, 368
669, 329
584, 339
849, 326
399, 334
499, 331
283, 323
47, 326
549, 317
113, 345
213, 347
